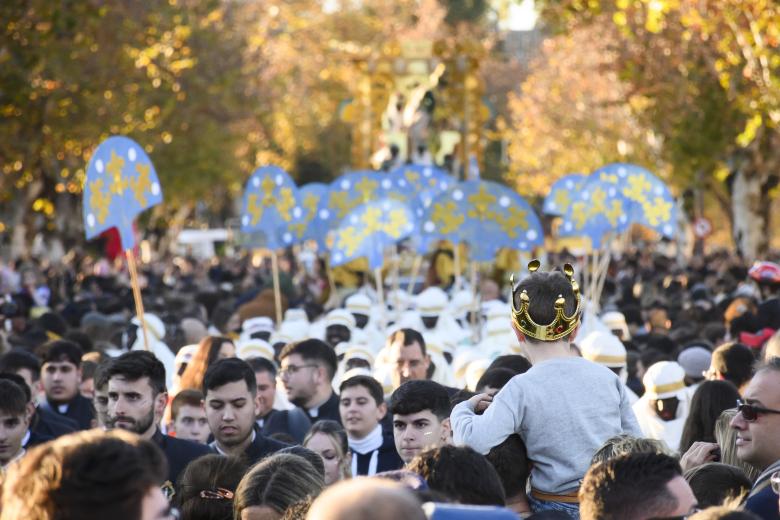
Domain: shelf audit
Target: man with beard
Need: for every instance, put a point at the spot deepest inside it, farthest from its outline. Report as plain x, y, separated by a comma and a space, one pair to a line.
61, 375
307, 371
136, 400
230, 390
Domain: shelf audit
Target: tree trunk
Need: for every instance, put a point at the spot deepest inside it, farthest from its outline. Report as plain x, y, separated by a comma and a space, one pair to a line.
750, 205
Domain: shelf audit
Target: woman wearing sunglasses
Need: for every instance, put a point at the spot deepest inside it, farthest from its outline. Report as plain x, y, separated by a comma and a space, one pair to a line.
757, 423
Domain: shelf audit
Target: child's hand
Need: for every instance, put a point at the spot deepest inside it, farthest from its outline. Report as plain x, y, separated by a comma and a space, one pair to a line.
480, 402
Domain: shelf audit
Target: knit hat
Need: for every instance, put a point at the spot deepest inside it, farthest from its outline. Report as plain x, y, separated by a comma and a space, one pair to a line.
695, 360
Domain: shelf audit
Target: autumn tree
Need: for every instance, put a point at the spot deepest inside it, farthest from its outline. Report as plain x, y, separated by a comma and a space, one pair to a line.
704, 77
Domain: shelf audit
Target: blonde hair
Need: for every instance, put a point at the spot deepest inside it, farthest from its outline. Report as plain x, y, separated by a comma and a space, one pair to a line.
624, 443
338, 437
726, 437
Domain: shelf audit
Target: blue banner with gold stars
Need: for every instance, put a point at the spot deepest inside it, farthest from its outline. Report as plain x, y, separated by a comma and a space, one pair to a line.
651, 203
597, 208
562, 192
270, 198
368, 229
311, 218
121, 183
487, 216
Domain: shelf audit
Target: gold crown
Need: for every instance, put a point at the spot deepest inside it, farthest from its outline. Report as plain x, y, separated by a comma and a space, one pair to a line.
562, 325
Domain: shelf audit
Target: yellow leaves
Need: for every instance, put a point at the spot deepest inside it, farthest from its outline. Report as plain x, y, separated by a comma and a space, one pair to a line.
749, 133
619, 18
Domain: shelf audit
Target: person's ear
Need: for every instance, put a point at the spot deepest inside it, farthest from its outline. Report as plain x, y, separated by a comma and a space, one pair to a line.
573, 333
520, 336
160, 402
381, 411
446, 431
29, 412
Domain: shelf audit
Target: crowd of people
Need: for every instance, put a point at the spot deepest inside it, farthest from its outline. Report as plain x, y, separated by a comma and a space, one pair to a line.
442, 400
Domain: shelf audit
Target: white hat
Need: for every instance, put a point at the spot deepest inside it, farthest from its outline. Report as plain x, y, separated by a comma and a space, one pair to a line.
603, 348
431, 302
399, 299
358, 303
250, 348
359, 352
340, 317
616, 321
492, 309
257, 324
462, 303
154, 325
296, 315
663, 380
356, 371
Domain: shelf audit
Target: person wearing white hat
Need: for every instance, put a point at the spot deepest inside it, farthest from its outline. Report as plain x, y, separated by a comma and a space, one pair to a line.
662, 410
155, 329
249, 348
339, 324
606, 349
616, 322
260, 327
365, 329
439, 327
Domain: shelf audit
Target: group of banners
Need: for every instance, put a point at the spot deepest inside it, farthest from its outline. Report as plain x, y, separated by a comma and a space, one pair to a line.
362, 213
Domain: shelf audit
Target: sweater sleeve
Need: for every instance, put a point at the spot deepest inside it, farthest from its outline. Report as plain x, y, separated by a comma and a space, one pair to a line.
483, 432
627, 418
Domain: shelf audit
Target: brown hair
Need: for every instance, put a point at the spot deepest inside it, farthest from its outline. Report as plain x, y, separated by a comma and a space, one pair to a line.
90, 475
207, 486
543, 289
187, 397
278, 482
204, 356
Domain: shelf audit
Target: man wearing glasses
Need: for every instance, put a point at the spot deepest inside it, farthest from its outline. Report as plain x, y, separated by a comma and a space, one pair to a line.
758, 437
307, 370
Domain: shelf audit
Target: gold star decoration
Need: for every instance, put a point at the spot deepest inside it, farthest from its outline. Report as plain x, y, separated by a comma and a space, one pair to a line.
365, 188
141, 184
562, 200
445, 216
285, 203
310, 203
579, 214
481, 201
114, 169
99, 200
372, 219
637, 186
254, 208
657, 211
514, 219
396, 222
339, 201
608, 177
349, 240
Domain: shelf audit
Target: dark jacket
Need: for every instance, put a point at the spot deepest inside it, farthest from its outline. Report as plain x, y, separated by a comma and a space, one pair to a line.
294, 423
179, 453
80, 409
388, 458
35, 439
762, 501
47, 423
260, 448
328, 410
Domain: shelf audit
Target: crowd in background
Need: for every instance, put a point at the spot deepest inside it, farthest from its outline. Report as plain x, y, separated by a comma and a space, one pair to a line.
658, 400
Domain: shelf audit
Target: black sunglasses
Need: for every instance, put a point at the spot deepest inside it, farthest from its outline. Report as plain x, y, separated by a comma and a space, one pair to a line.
750, 412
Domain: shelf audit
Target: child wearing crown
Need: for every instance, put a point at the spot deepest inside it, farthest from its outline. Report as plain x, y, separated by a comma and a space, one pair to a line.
564, 408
